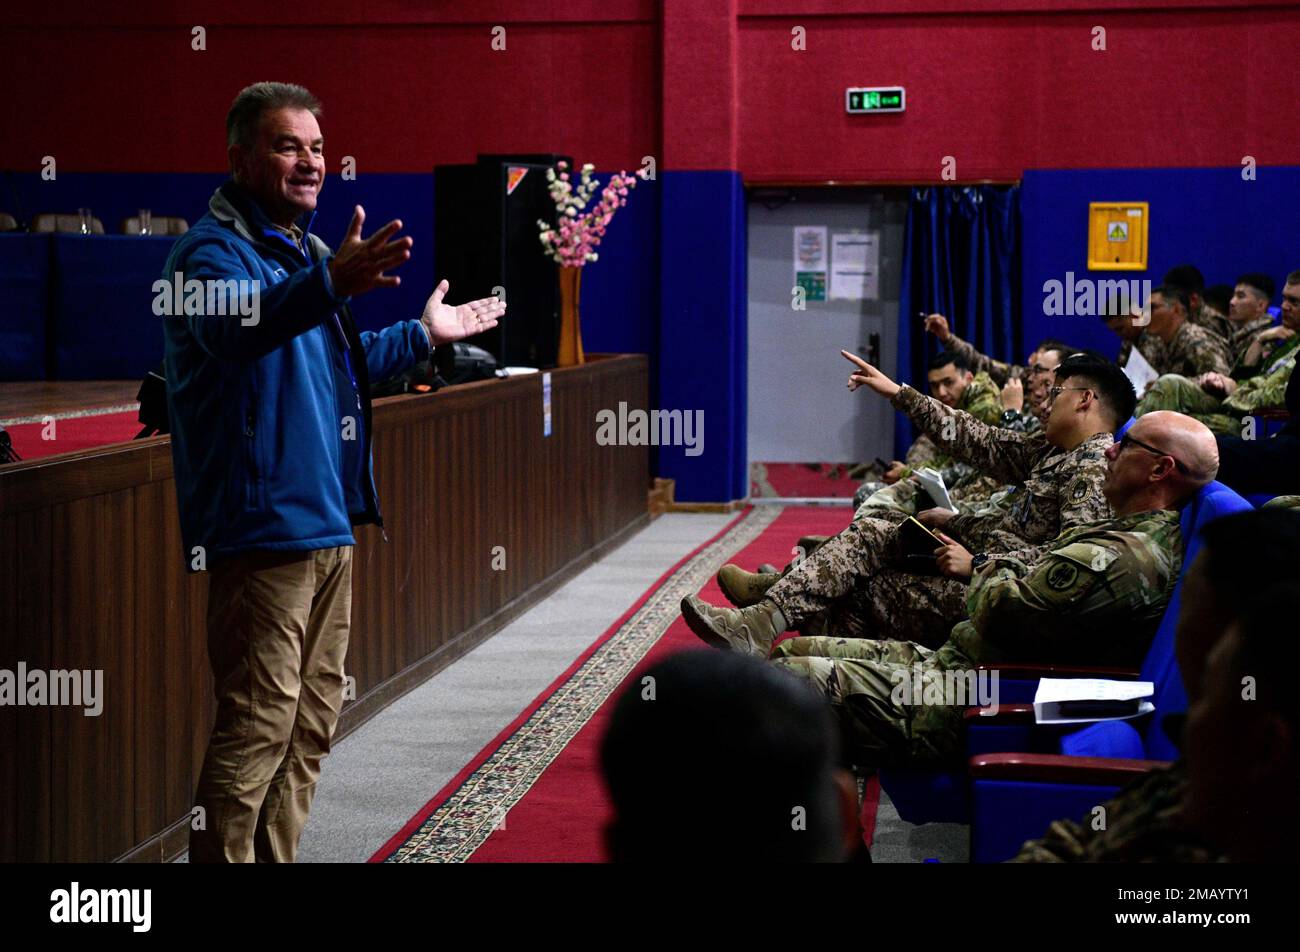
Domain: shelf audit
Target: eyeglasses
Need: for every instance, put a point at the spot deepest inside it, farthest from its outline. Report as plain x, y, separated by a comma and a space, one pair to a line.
1125, 440
1057, 391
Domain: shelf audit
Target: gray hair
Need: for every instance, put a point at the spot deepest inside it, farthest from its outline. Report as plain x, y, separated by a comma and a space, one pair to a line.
246, 111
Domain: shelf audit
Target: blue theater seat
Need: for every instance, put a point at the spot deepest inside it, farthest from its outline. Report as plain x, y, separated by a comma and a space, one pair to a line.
1001, 809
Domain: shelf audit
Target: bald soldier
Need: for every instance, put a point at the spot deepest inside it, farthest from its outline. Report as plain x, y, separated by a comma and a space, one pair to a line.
1094, 596
1059, 473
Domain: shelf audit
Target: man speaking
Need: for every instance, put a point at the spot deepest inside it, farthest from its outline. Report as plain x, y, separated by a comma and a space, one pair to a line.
271, 429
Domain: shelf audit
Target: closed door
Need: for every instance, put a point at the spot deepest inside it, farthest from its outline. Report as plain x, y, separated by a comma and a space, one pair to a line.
799, 408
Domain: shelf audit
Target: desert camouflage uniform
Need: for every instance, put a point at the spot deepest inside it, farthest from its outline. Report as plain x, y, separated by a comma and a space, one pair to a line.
1243, 336
981, 399
1144, 824
979, 363
1056, 490
1192, 352
1094, 596
1222, 415
1214, 322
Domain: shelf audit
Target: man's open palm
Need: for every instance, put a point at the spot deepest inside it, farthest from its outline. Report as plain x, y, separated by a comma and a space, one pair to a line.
446, 324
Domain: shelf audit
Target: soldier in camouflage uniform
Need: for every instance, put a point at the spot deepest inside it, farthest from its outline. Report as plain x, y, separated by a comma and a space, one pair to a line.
1145, 822
1095, 595
1189, 350
1248, 314
1222, 415
1222, 402
1188, 279
1058, 475
953, 384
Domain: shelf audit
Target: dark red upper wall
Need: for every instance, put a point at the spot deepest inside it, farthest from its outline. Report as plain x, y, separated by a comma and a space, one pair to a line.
1000, 85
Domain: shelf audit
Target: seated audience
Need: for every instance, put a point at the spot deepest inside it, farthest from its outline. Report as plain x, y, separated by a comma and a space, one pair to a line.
1059, 473
713, 755
1146, 821
1188, 349
1259, 465
1219, 400
1248, 313
1095, 595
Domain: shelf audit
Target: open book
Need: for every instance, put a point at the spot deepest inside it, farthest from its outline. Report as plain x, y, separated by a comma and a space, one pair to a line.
1081, 700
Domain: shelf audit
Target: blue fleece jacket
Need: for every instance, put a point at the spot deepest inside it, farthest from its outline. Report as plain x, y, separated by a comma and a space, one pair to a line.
270, 420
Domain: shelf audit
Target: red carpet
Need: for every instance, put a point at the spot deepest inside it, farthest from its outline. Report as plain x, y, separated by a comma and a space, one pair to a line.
559, 817
801, 480
73, 433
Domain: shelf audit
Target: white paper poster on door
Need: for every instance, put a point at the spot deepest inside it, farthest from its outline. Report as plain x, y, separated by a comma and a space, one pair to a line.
810, 261
855, 265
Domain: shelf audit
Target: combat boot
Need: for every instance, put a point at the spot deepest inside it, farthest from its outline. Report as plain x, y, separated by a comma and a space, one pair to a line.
744, 588
751, 631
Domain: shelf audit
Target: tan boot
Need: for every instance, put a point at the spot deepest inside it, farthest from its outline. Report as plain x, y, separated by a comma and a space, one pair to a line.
750, 631
767, 568
744, 588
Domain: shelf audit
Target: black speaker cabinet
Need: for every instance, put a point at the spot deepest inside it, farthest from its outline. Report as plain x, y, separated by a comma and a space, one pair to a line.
486, 237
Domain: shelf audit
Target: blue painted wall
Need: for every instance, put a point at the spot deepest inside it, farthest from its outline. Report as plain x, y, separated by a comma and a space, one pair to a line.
1207, 217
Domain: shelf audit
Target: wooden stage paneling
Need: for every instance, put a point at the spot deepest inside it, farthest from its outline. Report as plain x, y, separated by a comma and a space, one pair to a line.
92, 577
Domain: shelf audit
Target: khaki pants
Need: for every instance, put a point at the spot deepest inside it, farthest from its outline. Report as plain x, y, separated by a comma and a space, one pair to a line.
277, 637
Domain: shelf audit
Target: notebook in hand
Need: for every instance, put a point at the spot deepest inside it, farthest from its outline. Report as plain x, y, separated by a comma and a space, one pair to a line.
918, 544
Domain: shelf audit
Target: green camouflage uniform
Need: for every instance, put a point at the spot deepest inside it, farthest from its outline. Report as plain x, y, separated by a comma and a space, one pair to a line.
1222, 415
1056, 490
1144, 824
1212, 321
1243, 336
1193, 351
981, 399
1094, 596
1273, 352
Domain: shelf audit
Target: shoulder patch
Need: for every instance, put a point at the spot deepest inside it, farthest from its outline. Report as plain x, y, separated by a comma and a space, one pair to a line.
1088, 555
1062, 576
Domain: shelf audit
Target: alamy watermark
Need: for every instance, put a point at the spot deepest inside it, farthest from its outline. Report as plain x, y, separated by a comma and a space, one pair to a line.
917, 685
1087, 297
35, 687
626, 427
213, 297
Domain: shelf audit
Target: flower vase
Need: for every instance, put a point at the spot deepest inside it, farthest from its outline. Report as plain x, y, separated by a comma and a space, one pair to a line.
570, 351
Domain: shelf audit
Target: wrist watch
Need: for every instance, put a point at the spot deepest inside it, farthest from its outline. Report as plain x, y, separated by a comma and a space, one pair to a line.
978, 561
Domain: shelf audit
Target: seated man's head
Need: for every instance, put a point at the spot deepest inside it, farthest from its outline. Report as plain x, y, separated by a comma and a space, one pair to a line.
1169, 307
276, 151
1090, 395
949, 375
1291, 301
1242, 737
1126, 324
717, 756
1042, 375
1218, 298
1188, 279
1160, 463
1250, 298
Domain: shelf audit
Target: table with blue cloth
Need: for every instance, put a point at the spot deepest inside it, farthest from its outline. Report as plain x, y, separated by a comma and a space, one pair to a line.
24, 311
101, 305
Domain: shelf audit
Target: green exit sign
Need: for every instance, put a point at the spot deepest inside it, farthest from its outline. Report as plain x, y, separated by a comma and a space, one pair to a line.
860, 99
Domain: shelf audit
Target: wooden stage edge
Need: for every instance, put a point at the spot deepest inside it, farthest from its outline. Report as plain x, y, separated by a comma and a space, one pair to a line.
486, 515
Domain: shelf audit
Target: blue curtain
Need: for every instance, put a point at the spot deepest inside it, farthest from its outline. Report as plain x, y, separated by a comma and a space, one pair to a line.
961, 259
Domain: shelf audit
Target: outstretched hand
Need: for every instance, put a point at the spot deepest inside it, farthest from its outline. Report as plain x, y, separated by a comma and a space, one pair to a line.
447, 324
359, 265
868, 376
